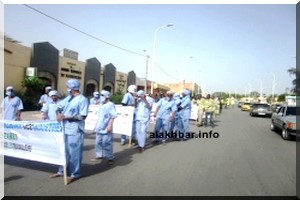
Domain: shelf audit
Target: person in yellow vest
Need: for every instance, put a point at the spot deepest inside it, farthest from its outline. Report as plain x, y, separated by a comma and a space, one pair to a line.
209, 111
200, 104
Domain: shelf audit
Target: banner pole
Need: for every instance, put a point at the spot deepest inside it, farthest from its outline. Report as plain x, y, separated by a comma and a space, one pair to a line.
64, 146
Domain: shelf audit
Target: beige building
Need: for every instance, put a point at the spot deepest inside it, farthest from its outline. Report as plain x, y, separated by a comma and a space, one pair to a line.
16, 60
179, 86
69, 68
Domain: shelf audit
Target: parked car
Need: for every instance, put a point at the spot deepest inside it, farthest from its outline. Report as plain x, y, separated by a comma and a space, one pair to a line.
285, 120
245, 106
240, 103
275, 107
260, 109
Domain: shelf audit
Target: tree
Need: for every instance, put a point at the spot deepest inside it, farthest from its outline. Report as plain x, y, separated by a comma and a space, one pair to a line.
296, 81
31, 95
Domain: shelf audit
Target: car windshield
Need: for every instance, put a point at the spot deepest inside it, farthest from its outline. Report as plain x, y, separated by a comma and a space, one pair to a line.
261, 106
291, 111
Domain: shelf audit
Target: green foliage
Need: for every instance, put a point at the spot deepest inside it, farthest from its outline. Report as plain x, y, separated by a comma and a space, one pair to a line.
31, 95
117, 98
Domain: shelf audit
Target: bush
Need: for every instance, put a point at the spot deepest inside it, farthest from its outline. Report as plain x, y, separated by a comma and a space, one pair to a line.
117, 98
31, 95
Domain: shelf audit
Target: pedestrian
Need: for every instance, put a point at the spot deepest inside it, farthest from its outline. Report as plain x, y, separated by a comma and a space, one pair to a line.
72, 112
174, 122
128, 100
209, 108
95, 100
12, 105
104, 128
164, 113
143, 110
45, 97
184, 110
200, 104
50, 108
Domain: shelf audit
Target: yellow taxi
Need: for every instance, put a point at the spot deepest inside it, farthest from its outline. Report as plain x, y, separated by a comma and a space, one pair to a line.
245, 107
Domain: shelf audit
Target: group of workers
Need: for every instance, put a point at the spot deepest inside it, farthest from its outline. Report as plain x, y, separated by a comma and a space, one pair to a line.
172, 114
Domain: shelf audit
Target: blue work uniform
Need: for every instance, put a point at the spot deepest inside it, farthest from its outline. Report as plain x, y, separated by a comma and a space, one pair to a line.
11, 107
184, 115
128, 100
74, 132
166, 106
176, 117
94, 101
51, 109
45, 98
142, 117
104, 139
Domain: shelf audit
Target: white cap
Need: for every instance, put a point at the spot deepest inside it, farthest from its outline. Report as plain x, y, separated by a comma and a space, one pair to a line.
53, 93
9, 88
96, 94
132, 88
105, 93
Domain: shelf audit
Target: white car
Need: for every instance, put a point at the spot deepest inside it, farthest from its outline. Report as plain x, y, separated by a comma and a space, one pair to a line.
285, 120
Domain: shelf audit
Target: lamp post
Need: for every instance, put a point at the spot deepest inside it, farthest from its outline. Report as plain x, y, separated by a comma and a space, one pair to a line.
273, 86
182, 77
154, 52
146, 73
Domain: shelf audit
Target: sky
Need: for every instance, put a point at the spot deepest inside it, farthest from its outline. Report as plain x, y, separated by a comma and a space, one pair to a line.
233, 48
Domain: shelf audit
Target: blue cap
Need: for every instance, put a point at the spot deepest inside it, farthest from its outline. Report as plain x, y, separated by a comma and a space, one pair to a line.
73, 84
186, 92
140, 93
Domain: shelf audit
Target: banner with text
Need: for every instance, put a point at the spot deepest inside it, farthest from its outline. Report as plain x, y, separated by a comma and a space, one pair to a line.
122, 124
41, 141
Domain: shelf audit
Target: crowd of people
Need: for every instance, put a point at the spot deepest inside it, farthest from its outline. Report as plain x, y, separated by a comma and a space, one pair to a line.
172, 114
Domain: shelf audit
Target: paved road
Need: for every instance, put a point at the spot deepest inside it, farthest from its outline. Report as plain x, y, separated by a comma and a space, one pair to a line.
246, 159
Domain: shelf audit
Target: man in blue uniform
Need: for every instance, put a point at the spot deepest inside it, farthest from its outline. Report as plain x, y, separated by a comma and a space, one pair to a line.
104, 128
184, 110
72, 112
12, 105
164, 114
142, 116
50, 108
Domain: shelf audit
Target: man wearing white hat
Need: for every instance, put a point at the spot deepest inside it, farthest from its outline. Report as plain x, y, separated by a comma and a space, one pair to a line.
45, 97
72, 112
12, 105
104, 128
142, 116
184, 110
50, 108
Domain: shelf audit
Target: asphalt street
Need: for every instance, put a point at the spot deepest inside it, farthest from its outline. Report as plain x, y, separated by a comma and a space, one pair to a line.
247, 159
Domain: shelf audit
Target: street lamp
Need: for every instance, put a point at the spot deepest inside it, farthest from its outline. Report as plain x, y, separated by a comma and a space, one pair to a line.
182, 77
154, 52
273, 86
146, 73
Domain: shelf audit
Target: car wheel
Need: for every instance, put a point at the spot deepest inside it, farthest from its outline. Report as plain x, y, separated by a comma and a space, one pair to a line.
285, 135
273, 127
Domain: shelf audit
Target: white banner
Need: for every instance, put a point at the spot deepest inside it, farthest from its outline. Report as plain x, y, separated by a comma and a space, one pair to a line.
194, 112
122, 124
41, 141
